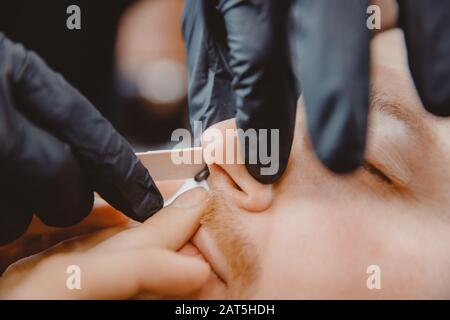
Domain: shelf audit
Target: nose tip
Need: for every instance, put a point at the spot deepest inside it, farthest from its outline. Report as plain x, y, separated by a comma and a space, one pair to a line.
233, 178
240, 189
257, 199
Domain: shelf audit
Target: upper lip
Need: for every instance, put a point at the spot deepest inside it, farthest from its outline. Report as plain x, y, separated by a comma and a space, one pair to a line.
208, 248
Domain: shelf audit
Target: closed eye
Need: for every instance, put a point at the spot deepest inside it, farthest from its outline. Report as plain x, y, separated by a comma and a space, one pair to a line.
376, 172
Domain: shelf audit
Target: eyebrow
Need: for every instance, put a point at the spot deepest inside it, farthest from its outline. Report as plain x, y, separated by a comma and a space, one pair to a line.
382, 102
239, 251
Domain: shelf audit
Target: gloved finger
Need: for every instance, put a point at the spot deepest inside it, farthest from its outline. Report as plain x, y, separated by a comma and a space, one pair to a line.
15, 214
211, 97
105, 156
263, 83
43, 171
15, 217
333, 61
427, 27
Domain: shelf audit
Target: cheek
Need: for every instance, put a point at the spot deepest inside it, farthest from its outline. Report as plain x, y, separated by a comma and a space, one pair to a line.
325, 251
311, 253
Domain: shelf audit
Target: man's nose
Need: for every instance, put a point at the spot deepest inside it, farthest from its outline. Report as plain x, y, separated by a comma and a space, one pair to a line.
222, 153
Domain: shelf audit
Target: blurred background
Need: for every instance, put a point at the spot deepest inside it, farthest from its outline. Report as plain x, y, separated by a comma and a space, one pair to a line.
128, 58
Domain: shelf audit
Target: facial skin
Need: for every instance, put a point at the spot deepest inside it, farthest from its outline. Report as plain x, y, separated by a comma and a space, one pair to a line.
314, 234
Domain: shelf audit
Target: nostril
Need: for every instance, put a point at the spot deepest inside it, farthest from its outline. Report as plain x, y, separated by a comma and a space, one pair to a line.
232, 178
243, 191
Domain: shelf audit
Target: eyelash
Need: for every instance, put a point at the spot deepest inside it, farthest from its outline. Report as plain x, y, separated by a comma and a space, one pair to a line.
370, 168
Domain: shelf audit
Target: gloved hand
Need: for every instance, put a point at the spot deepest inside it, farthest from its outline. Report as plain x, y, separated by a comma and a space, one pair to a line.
56, 149
333, 56
427, 27
242, 41
239, 66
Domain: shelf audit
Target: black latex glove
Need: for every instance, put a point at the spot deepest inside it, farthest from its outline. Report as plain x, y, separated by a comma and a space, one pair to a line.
427, 31
239, 66
331, 45
331, 56
56, 149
